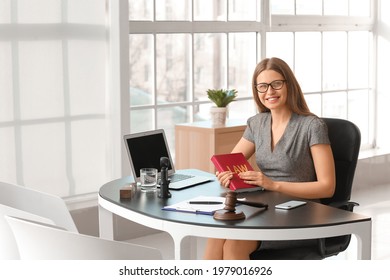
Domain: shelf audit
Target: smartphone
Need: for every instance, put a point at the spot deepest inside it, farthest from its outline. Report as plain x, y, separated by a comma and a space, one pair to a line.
290, 204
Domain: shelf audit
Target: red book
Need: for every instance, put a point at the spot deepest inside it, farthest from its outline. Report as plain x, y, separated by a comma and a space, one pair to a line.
235, 163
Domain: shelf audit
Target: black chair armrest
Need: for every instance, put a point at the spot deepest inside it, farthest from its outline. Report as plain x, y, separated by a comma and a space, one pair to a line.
344, 205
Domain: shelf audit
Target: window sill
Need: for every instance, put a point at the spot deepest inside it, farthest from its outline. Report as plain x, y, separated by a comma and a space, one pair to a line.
81, 201
374, 152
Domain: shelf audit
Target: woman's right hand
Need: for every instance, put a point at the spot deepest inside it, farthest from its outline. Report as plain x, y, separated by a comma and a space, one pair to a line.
224, 178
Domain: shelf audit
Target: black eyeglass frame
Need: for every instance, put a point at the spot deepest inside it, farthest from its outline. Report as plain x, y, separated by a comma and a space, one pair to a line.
270, 84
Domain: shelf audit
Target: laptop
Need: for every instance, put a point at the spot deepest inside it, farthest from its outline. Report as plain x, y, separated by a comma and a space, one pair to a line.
145, 150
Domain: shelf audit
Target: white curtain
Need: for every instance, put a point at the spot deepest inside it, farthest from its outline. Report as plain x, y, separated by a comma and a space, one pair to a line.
56, 112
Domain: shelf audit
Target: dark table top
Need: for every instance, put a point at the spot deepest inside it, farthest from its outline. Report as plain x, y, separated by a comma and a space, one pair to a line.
310, 215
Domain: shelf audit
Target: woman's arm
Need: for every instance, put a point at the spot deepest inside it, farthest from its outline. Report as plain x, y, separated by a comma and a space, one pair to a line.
244, 146
323, 187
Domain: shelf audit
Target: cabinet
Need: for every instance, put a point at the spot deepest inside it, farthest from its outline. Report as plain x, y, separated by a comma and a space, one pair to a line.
196, 142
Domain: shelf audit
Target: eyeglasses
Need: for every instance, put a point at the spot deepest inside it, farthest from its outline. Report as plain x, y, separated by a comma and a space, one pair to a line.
263, 87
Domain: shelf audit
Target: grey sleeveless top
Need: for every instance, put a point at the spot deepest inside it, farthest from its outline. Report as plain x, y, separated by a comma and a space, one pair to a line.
291, 158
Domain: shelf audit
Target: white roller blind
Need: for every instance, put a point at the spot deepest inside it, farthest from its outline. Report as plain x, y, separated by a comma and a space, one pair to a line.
56, 107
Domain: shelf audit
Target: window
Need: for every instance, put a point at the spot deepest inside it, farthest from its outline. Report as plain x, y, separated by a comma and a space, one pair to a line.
327, 43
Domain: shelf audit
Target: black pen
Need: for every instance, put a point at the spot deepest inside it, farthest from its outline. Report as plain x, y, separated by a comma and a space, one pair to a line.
205, 202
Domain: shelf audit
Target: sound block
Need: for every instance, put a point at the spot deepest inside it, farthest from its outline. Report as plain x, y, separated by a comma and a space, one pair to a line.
226, 215
128, 191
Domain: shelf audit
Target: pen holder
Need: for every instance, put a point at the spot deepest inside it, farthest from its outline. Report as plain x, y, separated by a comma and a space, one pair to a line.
230, 212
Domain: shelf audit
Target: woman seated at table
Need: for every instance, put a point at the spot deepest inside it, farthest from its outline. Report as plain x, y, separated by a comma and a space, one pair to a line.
291, 145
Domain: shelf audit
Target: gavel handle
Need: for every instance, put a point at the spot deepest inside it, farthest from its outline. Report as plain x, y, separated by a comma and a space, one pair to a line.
254, 204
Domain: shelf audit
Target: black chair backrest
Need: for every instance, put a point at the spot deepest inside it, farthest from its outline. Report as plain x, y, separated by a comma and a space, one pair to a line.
345, 142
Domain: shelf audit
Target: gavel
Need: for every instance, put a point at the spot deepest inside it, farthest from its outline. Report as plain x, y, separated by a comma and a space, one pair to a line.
229, 212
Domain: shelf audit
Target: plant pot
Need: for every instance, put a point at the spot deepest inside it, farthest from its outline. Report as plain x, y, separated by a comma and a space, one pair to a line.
218, 115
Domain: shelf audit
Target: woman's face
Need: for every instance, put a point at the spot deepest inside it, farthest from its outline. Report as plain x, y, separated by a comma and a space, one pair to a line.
273, 99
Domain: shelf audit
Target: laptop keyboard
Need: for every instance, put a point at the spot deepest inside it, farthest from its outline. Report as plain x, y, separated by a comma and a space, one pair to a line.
179, 177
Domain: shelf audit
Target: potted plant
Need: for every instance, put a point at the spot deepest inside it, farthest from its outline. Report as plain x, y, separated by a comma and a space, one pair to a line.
221, 99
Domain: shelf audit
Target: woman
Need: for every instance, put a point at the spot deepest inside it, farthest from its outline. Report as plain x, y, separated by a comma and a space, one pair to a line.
291, 145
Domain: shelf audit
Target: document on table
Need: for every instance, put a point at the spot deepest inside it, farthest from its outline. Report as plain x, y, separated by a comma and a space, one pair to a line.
205, 205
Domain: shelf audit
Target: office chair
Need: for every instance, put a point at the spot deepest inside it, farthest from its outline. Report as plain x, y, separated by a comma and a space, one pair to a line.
345, 142
38, 241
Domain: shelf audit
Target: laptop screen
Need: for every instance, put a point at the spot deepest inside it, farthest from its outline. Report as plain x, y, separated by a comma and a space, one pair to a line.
145, 150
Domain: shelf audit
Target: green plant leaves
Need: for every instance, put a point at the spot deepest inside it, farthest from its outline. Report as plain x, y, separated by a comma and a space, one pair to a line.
222, 97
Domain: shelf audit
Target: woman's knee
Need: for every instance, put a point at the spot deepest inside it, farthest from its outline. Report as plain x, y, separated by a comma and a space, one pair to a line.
214, 249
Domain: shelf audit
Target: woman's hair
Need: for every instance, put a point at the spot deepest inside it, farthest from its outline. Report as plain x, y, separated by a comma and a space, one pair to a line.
295, 99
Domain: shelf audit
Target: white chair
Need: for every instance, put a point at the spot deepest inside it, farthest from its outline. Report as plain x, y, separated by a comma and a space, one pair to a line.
38, 203
9, 249
54, 208
37, 241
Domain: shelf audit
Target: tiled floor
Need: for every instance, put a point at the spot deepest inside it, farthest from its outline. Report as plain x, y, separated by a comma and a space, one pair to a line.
374, 202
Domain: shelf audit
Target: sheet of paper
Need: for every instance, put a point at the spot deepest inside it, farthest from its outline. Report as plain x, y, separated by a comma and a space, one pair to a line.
207, 209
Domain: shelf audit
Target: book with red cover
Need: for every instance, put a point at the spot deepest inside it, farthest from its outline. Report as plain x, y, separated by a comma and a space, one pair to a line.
236, 163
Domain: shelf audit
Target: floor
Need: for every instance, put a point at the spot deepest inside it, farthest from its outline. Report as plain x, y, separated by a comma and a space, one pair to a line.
376, 204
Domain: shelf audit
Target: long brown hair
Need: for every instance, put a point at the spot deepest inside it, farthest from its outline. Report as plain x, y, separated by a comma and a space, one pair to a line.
295, 99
